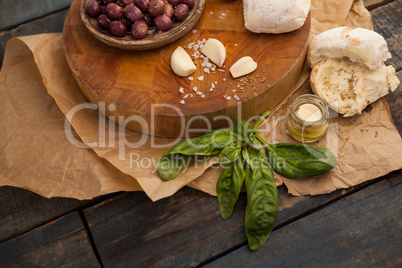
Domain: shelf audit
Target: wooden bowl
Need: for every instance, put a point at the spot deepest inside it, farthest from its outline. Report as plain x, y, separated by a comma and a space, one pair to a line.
151, 41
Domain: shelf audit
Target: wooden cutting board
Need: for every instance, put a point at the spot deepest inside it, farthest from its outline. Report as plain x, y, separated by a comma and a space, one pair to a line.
141, 88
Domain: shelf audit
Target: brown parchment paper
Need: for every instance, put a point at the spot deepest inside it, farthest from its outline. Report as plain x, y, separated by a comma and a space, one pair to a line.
37, 92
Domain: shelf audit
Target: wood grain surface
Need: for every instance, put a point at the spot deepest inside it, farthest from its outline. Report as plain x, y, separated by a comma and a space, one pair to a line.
365, 227
63, 242
14, 12
184, 230
151, 41
137, 81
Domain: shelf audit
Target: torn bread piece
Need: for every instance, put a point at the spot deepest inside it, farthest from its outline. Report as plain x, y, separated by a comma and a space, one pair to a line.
359, 45
275, 16
349, 87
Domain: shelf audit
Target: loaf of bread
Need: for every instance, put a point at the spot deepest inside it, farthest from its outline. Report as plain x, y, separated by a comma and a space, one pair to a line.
348, 87
275, 16
359, 45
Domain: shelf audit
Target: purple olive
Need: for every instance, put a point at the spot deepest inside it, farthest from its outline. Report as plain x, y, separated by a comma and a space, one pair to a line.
104, 21
189, 3
133, 13
180, 12
94, 8
142, 4
168, 10
114, 11
117, 28
162, 22
156, 7
139, 29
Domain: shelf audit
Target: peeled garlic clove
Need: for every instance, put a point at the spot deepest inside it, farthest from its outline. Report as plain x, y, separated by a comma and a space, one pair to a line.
243, 66
215, 51
181, 63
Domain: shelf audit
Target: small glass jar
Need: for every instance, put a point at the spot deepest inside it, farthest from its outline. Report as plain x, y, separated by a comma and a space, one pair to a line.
311, 128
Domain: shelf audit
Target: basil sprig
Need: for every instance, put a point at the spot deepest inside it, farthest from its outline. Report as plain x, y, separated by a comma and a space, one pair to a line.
247, 165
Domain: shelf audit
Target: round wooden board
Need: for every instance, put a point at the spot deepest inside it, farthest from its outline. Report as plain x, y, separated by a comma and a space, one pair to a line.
140, 86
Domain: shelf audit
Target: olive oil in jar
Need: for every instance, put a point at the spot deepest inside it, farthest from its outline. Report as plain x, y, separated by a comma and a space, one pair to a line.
308, 118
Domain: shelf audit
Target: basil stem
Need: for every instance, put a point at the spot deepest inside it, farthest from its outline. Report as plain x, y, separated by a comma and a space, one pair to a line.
228, 187
262, 199
298, 160
243, 128
262, 117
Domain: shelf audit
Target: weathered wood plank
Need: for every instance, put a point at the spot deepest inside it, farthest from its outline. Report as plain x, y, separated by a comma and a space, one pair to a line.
63, 242
361, 230
387, 22
22, 210
14, 12
180, 231
47, 24
371, 4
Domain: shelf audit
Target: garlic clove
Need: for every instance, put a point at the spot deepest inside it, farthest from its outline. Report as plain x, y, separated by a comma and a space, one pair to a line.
181, 63
215, 51
243, 66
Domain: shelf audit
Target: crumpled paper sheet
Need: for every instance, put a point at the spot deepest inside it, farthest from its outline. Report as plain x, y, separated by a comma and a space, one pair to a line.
37, 91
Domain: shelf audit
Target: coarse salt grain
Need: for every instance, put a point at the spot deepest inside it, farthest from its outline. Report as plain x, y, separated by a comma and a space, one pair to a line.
221, 70
194, 31
236, 97
213, 85
186, 96
234, 90
195, 89
200, 78
182, 101
211, 89
216, 82
202, 96
206, 70
228, 97
190, 78
199, 92
181, 90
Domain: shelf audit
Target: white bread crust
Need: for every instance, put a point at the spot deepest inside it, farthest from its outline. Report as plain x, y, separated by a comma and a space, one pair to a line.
275, 16
359, 45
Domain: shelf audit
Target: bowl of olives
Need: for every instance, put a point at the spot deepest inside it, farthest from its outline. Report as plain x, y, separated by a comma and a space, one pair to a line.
140, 24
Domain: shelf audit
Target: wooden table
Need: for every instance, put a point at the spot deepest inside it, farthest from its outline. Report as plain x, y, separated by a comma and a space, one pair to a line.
360, 226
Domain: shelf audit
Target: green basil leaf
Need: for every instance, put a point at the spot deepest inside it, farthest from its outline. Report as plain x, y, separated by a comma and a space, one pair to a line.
169, 166
228, 187
208, 144
230, 154
262, 200
246, 130
300, 160
243, 128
